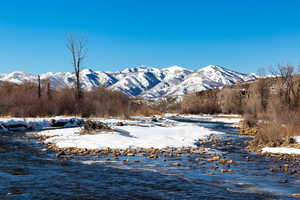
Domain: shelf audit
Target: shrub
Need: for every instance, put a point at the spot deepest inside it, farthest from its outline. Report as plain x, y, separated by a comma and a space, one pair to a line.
23, 100
202, 102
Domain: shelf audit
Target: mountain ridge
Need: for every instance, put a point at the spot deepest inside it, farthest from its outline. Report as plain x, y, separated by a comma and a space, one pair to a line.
148, 82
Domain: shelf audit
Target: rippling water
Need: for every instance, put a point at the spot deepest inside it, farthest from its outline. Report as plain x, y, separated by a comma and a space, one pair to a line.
29, 172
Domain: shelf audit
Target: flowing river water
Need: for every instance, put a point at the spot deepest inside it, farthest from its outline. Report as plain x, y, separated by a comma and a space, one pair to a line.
29, 171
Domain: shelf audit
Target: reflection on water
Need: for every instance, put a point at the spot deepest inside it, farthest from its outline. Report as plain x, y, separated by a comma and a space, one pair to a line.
29, 172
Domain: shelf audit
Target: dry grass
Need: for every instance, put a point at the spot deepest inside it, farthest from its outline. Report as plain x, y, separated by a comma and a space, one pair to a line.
230, 116
273, 134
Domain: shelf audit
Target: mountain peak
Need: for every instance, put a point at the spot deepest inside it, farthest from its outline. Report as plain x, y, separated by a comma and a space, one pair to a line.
212, 67
175, 68
17, 73
86, 71
142, 80
137, 69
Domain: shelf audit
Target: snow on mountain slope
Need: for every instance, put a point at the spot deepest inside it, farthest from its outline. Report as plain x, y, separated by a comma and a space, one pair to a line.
18, 77
59, 79
89, 79
207, 78
141, 81
134, 81
172, 76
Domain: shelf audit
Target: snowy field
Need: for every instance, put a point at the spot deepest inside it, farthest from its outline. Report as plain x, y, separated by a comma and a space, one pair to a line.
141, 132
134, 134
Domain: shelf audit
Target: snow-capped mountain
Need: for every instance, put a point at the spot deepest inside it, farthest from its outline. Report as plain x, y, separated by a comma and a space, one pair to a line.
18, 77
172, 77
147, 82
206, 78
135, 81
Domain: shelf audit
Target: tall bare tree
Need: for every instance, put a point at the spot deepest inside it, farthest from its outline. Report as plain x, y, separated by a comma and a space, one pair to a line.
78, 50
49, 93
289, 86
39, 87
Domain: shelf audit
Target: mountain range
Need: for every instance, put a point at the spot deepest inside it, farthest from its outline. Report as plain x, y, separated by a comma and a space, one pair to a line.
148, 82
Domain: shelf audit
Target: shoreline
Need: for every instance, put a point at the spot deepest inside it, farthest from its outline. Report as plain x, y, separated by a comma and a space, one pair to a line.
262, 149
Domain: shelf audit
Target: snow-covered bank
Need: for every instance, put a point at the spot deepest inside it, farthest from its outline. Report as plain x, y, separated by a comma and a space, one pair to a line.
22, 124
131, 136
141, 132
284, 150
281, 150
210, 118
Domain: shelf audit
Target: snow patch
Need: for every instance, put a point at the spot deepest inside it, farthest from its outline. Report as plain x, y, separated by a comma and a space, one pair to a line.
281, 150
179, 135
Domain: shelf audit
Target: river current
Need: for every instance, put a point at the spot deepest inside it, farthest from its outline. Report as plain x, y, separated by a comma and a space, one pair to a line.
29, 171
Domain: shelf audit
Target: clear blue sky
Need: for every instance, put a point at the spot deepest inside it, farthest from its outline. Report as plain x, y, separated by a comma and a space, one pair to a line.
243, 35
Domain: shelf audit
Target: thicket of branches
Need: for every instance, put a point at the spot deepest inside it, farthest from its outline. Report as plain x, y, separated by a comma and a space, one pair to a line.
203, 102
278, 106
30, 100
274, 100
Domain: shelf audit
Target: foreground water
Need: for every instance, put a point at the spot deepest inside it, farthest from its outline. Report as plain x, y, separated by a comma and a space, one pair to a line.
27, 171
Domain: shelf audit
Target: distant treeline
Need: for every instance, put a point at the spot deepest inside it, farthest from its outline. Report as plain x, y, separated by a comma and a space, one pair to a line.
273, 100
31, 100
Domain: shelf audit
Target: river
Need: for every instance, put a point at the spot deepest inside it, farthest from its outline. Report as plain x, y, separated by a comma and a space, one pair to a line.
29, 171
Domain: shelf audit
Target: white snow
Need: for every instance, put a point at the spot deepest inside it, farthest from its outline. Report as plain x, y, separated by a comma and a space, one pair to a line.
209, 118
178, 135
297, 139
281, 150
143, 81
35, 123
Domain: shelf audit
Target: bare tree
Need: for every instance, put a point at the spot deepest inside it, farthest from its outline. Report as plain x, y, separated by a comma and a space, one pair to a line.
78, 50
49, 89
289, 86
39, 87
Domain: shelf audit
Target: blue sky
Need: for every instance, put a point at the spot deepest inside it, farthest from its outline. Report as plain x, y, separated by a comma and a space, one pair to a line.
243, 35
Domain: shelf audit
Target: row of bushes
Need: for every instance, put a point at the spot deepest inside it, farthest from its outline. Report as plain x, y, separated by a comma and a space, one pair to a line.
25, 100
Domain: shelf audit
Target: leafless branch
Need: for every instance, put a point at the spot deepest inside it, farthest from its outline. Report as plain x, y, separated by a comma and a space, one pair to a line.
78, 50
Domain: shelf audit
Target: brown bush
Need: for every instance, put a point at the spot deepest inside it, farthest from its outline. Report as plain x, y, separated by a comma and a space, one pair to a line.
167, 104
230, 100
23, 100
281, 110
257, 99
275, 134
202, 102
